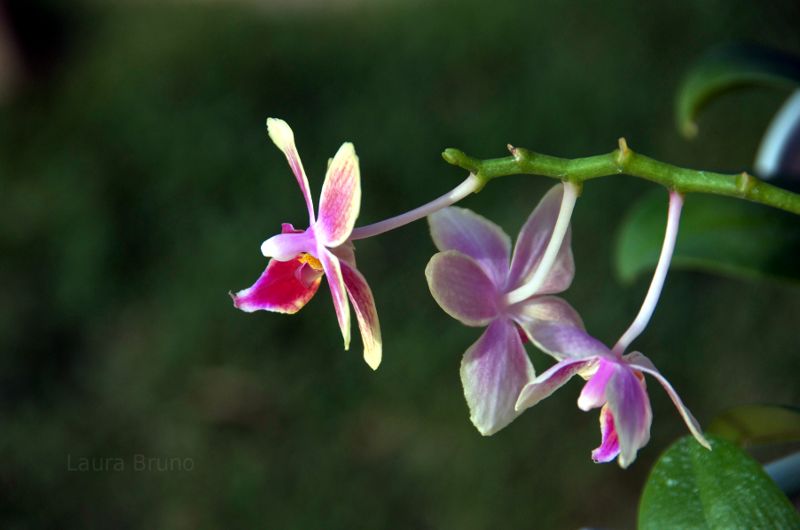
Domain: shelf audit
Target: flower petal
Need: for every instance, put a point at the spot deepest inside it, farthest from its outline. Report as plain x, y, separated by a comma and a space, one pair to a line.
562, 339
283, 137
630, 406
366, 314
593, 394
493, 371
538, 314
609, 444
532, 242
639, 362
471, 234
341, 198
461, 287
333, 271
548, 382
284, 287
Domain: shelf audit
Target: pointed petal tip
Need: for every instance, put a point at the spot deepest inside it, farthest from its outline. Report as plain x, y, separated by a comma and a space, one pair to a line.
483, 430
235, 300
373, 359
363, 304
280, 132
702, 440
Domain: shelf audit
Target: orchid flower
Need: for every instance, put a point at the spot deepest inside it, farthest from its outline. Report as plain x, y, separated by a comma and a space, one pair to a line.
615, 381
476, 281
301, 257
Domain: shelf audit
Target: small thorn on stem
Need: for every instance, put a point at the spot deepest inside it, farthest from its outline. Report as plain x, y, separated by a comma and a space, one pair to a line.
624, 153
514, 152
745, 182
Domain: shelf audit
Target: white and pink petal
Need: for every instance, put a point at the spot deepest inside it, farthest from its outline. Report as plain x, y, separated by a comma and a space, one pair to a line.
493, 371
333, 272
366, 314
283, 137
340, 201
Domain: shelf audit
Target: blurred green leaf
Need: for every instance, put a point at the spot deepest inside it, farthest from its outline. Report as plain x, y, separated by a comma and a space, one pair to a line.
717, 234
728, 67
757, 424
692, 487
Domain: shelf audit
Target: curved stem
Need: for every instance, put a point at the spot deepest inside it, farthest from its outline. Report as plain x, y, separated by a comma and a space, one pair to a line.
659, 276
470, 185
624, 160
553, 247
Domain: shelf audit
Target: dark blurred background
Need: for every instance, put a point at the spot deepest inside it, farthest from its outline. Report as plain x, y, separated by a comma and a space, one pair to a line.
137, 183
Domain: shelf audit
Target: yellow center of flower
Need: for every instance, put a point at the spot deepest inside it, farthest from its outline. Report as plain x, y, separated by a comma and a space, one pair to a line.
311, 260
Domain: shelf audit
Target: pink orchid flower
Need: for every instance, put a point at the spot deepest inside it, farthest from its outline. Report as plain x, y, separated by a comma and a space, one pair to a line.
476, 281
615, 381
301, 257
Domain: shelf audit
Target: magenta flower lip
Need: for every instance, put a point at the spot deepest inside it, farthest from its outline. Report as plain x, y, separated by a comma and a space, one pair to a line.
301, 257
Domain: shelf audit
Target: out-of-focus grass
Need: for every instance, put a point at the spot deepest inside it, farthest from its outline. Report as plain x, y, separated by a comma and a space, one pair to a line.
138, 182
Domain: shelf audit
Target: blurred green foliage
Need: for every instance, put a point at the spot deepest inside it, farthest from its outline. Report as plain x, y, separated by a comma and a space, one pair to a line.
137, 182
717, 234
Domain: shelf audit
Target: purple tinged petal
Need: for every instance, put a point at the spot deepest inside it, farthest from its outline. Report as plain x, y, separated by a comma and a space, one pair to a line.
532, 242
630, 406
340, 201
593, 394
283, 137
563, 340
284, 287
550, 381
471, 234
462, 288
547, 309
639, 362
539, 311
333, 271
493, 371
609, 444
366, 313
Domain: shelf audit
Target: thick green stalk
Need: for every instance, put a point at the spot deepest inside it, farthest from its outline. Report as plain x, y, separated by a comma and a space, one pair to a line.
624, 160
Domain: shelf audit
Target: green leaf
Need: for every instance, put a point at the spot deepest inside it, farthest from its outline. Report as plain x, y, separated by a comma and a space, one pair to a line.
725, 68
692, 487
717, 234
749, 425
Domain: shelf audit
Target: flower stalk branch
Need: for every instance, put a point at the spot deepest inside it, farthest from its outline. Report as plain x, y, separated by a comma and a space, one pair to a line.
657, 284
625, 161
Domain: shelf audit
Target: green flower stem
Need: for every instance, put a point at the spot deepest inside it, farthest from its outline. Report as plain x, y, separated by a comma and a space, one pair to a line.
624, 160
